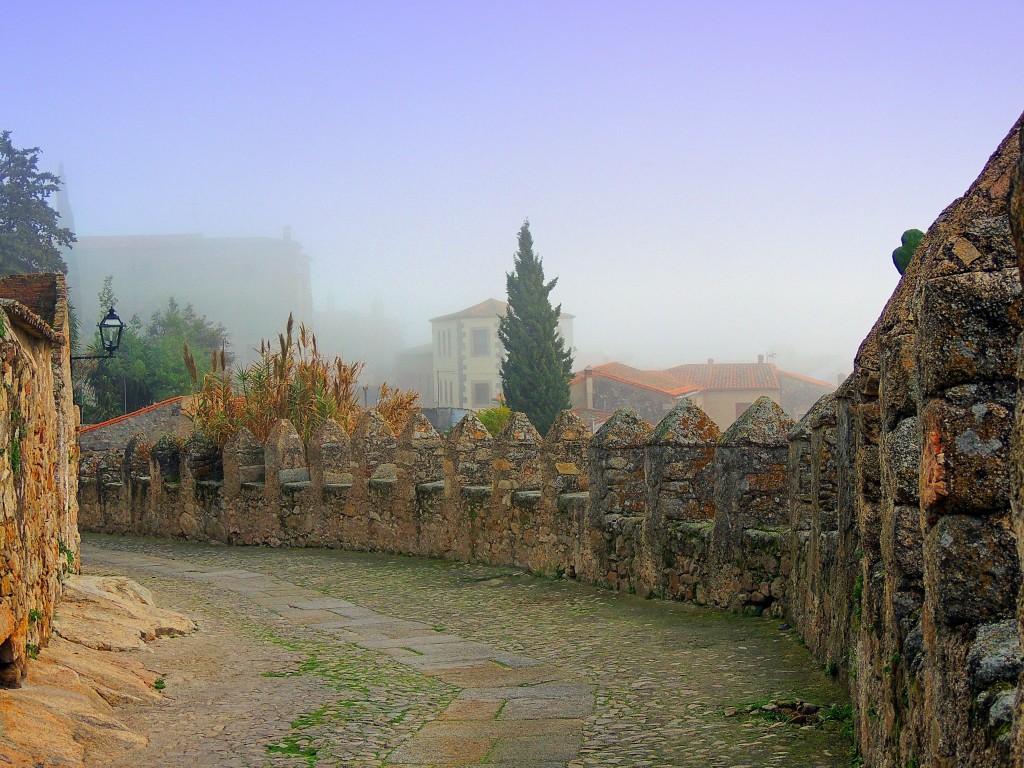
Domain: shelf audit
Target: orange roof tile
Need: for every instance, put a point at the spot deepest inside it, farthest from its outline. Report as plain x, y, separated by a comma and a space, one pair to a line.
728, 375
806, 379
486, 308
125, 417
684, 379
659, 381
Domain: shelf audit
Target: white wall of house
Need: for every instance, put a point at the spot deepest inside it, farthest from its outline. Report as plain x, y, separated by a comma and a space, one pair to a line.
467, 357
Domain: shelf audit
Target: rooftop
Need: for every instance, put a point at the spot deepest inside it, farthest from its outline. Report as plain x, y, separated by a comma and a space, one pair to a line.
486, 308
685, 379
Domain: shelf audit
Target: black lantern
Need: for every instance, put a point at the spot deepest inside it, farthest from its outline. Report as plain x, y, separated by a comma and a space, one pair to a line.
110, 332
110, 337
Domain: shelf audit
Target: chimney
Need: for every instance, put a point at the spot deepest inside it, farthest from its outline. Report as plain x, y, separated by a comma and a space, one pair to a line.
286, 233
588, 383
760, 359
711, 361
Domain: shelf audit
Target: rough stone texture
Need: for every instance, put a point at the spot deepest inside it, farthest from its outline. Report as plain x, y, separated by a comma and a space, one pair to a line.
618, 490
284, 459
244, 462
164, 418
945, 563
565, 468
1016, 218
419, 460
38, 466
330, 456
680, 472
515, 525
814, 529
468, 472
750, 557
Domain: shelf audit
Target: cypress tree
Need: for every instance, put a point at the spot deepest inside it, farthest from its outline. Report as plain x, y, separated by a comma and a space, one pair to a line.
537, 368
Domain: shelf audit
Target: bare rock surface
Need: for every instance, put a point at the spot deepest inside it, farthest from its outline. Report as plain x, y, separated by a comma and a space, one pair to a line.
63, 716
114, 614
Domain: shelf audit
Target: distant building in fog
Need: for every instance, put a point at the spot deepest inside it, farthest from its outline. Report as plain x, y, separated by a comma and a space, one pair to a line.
367, 337
249, 284
723, 390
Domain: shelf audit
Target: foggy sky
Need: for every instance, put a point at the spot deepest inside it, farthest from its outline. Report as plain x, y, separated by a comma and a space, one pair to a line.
705, 179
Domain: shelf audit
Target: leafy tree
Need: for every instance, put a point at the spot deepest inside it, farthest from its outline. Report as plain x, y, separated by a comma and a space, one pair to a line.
30, 235
901, 256
148, 366
537, 367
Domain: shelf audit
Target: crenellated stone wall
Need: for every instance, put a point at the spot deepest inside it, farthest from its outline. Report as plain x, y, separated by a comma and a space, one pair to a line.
885, 526
38, 466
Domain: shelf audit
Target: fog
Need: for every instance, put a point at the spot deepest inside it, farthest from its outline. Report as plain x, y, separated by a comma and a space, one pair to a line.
705, 180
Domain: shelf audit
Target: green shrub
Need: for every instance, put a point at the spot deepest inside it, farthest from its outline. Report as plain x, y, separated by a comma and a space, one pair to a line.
494, 418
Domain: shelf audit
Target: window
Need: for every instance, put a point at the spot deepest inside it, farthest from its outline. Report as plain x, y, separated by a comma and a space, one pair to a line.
480, 343
481, 395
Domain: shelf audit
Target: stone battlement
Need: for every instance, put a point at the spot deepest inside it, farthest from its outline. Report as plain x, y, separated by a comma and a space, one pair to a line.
611, 508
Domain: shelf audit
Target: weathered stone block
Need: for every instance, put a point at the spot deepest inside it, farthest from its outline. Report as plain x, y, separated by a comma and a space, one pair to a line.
968, 436
968, 327
901, 449
971, 573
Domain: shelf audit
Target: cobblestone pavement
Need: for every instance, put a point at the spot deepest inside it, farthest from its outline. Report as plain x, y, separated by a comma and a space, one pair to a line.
312, 657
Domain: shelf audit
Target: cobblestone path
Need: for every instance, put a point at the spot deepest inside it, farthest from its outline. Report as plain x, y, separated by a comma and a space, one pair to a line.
331, 658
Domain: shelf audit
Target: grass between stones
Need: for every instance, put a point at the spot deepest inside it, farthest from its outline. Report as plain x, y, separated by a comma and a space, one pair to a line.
380, 702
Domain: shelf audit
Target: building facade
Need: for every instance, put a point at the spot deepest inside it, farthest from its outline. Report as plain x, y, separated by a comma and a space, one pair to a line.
467, 355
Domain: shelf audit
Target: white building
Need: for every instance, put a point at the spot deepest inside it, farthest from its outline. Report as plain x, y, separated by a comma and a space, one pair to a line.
467, 355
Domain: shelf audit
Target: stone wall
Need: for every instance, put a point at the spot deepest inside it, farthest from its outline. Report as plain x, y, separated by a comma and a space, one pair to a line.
38, 465
154, 421
884, 526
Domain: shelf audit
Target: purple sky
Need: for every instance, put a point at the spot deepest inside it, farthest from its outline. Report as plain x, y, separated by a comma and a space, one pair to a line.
705, 179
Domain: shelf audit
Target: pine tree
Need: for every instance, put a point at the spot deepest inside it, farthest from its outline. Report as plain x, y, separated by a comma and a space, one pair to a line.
537, 368
30, 235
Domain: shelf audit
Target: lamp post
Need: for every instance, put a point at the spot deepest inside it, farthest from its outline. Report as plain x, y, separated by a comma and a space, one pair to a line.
110, 337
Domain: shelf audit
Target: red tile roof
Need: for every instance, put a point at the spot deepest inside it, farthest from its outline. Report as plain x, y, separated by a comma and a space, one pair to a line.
132, 415
805, 379
659, 381
684, 379
487, 308
728, 375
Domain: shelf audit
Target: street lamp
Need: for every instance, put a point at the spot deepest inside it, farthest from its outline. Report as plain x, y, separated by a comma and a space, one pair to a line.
110, 337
